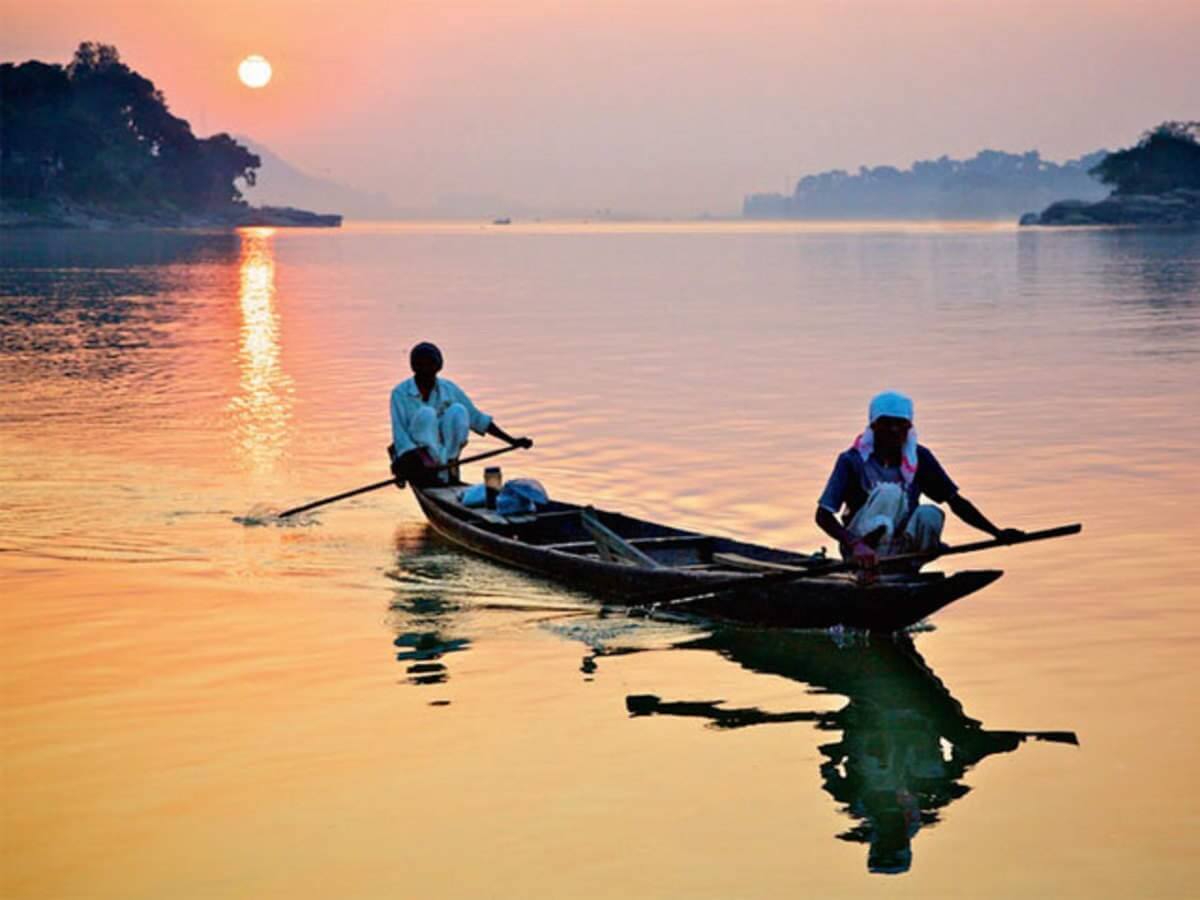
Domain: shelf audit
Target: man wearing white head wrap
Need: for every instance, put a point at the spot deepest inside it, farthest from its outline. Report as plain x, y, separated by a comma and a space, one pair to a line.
879, 480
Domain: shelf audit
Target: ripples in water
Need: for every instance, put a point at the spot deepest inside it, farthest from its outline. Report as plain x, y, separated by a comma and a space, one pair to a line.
156, 387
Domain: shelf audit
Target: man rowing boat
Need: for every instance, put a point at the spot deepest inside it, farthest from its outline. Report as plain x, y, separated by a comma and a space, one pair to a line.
880, 480
430, 420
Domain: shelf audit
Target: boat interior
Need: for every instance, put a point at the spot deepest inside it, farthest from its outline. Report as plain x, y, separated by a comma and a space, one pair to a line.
597, 534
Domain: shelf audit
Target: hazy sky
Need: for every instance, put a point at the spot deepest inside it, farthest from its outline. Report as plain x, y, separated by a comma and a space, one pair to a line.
652, 106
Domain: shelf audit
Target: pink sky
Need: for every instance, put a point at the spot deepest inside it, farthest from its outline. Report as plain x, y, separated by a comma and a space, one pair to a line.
652, 107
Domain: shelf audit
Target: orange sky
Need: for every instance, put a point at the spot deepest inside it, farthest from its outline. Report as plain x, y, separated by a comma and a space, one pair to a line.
652, 107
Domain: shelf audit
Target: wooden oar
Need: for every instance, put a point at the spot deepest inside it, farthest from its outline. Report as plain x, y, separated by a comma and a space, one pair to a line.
1044, 534
382, 484
716, 587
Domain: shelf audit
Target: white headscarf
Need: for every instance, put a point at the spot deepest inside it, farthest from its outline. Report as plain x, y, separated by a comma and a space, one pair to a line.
898, 406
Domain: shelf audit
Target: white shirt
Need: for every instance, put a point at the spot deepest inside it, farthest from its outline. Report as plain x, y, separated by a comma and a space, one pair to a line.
407, 399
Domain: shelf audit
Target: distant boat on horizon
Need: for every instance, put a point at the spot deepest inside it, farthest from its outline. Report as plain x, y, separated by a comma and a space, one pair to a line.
503, 220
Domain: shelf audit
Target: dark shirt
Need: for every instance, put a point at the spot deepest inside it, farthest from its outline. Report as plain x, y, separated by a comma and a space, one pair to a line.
853, 477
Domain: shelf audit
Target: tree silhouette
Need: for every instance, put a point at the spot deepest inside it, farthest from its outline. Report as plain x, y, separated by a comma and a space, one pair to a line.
95, 132
1166, 158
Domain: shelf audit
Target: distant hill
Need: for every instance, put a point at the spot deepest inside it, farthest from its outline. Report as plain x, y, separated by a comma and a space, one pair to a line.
278, 182
990, 185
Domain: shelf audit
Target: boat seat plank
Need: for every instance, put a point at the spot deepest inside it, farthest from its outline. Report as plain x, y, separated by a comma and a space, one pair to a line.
612, 546
747, 564
669, 539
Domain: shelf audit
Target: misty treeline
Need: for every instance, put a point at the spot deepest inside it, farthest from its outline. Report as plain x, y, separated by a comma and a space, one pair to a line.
1166, 158
992, 182
96, 133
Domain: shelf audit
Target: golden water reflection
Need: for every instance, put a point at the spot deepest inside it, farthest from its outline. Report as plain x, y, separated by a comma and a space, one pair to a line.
266, 708
263, 407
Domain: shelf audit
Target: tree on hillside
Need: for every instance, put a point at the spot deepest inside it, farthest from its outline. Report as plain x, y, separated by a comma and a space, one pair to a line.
97, 132
1167, 157
33, 98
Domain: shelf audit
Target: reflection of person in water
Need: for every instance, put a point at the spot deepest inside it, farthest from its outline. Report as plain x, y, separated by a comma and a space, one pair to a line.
420, 613
892, 770
905, 741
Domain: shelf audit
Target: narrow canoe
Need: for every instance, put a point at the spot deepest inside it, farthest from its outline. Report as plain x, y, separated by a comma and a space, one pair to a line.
555, 542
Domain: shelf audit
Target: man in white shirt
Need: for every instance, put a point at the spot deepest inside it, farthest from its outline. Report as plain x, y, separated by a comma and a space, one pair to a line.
430, 419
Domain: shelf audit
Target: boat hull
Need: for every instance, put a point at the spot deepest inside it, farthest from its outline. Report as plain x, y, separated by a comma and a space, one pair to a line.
891, 604
827, 602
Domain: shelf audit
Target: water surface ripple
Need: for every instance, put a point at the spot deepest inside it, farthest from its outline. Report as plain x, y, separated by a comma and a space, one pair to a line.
193, 707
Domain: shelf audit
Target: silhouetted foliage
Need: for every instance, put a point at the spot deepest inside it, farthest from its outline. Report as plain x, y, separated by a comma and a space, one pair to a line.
97, 133
1166, 158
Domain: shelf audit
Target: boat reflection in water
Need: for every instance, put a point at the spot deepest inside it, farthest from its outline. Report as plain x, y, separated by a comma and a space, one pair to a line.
905, 743
422, 611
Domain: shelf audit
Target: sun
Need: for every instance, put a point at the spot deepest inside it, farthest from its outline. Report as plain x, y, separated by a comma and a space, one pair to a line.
254, 71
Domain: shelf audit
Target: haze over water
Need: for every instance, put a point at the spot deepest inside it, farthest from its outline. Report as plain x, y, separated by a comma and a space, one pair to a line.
349, 707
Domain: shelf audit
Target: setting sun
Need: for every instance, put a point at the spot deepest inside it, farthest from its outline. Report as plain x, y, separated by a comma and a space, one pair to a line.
254, 71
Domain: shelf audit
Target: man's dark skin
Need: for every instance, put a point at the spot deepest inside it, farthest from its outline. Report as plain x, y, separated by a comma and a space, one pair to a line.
418, 465
890, 435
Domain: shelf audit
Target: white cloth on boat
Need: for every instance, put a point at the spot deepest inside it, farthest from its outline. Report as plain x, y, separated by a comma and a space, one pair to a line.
521, 495
887, 507
434, 424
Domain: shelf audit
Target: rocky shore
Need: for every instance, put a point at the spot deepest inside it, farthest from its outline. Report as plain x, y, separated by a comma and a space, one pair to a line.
94, 218
1178, 207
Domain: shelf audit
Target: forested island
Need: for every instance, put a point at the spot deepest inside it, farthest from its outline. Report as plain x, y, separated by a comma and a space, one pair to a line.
990, 185
1155, 182
93, 144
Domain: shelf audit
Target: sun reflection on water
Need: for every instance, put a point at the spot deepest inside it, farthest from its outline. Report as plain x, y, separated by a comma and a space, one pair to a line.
263, 407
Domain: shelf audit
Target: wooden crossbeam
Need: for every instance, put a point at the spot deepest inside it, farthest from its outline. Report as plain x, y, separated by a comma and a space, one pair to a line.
612, 546
749, 564
666, 540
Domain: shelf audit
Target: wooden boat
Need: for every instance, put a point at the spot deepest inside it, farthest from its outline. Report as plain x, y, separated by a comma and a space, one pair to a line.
627, 560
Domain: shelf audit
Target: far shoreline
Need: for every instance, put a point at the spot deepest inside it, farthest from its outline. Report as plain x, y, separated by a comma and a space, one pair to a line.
93, 224
73, 218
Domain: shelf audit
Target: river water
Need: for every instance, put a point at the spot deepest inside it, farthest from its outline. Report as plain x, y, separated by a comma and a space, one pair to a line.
195, 707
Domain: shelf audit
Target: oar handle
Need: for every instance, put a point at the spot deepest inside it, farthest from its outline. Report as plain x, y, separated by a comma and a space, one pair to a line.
478, 456
1044, 534
382, 484
930, 555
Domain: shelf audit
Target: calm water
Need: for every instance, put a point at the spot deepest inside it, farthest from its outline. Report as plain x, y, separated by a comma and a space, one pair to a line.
195, 708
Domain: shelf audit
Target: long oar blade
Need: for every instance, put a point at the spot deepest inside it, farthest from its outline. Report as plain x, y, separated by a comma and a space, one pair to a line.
336, 497
382, 484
